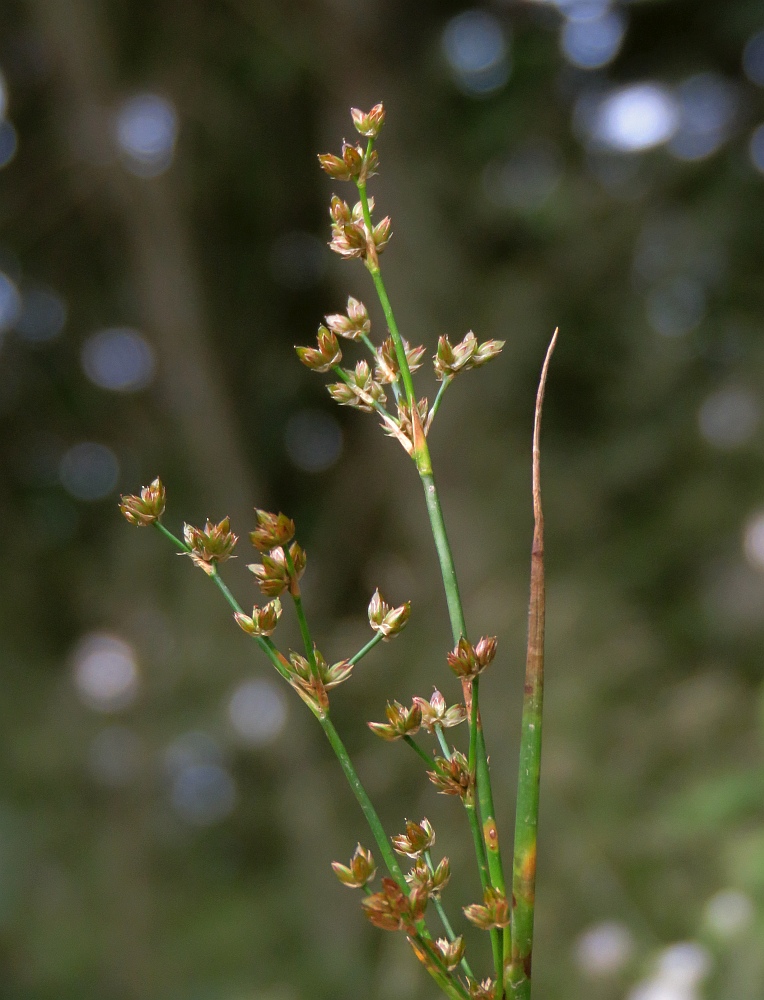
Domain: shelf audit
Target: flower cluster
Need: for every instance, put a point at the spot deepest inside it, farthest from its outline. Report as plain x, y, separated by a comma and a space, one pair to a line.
493, 912
262, 621
436, 713
211, 544
451, 359
352, 325
274, 575
468, 661
401, 721
358, 389
452, 776
392, 909
360, 870
325, 356
144, 509
418, 838
312, 684
385, 620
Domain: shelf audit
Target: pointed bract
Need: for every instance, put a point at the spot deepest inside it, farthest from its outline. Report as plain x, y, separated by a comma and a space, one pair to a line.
144, 509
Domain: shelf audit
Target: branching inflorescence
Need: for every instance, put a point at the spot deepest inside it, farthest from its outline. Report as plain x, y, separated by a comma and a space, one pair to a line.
382, 384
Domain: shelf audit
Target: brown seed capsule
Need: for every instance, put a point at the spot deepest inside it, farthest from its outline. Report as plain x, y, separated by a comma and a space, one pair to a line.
452, 777
334, 166
263, 621
359, 872
401, 721
210, 545
144, 509
418, 838
272, 530
451, 952
493, 913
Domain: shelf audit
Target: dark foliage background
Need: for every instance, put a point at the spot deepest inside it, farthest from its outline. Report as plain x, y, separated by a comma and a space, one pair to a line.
167, 814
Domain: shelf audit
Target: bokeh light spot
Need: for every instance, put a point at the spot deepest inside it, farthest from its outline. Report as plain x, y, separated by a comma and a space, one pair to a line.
604, 949
146, 131
756, 148
753, 541
203, 794
258, 711
119, 359
313, 440
729, 417
476, 49
729, 912
708, 107
753, 59
10, 303
89, 471
593, 43
676, 307
9, 142
43, 316
105, 672
635, 118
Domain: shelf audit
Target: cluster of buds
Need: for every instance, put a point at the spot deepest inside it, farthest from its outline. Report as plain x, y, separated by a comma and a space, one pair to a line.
324, 357
313, 685
273, 574
432, 881
272, 531
385, 620
360, 391
486, 990
418, 838
369, 123
355, 164
353, 325
493, 912
436, 713
211, 544
403, 425
401, 721
351, 235
262, 621
360, 870
451, 359
392, 909
468, 661
146, 508
387, 369
450, 952
452, 776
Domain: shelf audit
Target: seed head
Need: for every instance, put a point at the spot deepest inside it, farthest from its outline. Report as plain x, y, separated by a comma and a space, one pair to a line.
263, 621
452, 777
401, 722
323, 358
272, 530
418, 838
369, 123
435, 713
144, 509
210, 545
381, 233
482, 991
386, 369
493, 913
334, 166
361, 391
349, 239
386, 620
360, 871
451, 952
353, 325
449, 360
273, 575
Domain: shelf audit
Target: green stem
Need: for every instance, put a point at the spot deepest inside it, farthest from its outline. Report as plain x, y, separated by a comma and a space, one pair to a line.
294, 590
422, 753
436, 405
442, 740
378, 637
450, 933
526, 815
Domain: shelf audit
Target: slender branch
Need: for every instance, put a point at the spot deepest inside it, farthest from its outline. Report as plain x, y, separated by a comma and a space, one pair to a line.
294, 591
442, 741
436, 404
450, 933
378, 637
526, 816
418, 750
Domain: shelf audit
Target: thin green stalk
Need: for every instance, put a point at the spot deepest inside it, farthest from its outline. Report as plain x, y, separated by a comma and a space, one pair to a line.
436, 405
526, 816
341, 374
378, 637
442, 740
450, 933
418, 750
294, 591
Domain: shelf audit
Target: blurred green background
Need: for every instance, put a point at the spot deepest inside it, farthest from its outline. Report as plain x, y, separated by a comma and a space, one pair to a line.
168, 812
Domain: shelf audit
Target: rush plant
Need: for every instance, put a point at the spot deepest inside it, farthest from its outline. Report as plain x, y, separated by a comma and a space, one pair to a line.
402, 900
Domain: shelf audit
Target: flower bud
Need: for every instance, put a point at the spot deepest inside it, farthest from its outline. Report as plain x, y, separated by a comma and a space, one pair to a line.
272, 530
326, 356
359, 872
352, 325
339, 210
418, 838
386, 620
452, 776
381, 233
401, 722
144, 509
263, 621
494, 912
353, 157
209, 545
485, 651
435, 713
369, 123
272, 574
451, 952
349, 240
362, 392
482, 991
334, 166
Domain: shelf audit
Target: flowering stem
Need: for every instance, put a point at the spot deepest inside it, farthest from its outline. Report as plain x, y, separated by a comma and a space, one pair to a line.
450, 933
442, 740
422, 753
526, 814
294, 591
378, 637
436, 405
